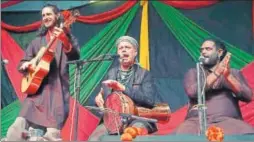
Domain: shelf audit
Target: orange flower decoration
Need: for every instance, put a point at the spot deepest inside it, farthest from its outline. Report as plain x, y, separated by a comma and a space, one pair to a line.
131, 130
126, 137
130, 133
215, 134
66, 14
142, 131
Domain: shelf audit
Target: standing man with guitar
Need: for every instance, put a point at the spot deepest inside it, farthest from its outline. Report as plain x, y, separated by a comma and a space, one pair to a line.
130, 79
224, 88
47, 109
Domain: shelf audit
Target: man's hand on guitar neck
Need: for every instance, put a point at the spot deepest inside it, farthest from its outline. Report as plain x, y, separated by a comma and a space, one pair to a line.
61, 35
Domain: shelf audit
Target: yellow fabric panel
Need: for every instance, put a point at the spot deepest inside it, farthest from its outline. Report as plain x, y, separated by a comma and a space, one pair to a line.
144, 39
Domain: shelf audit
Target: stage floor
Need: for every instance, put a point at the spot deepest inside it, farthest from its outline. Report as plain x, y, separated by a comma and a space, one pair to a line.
183, 138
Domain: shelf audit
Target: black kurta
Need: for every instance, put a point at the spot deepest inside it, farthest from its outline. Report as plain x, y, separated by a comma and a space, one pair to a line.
50, 105
140, 88
222, 105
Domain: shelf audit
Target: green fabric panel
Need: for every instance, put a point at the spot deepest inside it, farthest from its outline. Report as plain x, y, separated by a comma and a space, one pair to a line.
103, 43
7, 92
8, 115
23, 39
191, 36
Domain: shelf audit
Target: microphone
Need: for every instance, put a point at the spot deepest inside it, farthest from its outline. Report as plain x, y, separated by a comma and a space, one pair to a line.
102, 57
203, 59
112, 55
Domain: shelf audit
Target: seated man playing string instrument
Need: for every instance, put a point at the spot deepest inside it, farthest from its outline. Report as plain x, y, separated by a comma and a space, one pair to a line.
131, 80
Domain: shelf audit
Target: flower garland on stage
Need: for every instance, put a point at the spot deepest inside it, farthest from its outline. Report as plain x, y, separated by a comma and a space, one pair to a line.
215, 134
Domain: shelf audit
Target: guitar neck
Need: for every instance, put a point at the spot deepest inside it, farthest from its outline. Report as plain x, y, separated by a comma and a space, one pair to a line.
49, 47
43, 49
51, 42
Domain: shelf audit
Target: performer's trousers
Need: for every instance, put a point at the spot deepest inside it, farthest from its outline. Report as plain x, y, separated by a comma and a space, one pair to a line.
101, 130
20, 126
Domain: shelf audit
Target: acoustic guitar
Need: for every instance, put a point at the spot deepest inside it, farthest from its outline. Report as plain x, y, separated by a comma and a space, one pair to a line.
32, 80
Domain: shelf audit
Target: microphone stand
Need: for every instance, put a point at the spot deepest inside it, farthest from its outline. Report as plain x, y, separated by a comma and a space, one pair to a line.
79, 64
201, 101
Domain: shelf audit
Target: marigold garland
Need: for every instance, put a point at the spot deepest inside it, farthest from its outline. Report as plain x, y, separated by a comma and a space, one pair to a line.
215, 134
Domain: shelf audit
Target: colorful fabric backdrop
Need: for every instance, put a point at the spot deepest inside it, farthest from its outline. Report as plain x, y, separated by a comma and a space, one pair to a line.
170, 33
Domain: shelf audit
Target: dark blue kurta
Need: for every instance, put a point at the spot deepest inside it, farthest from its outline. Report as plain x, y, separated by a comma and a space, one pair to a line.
140, 88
